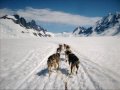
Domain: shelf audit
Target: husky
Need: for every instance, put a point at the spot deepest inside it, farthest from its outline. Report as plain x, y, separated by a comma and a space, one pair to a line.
59, 49
73, 61
53, 62
66, 47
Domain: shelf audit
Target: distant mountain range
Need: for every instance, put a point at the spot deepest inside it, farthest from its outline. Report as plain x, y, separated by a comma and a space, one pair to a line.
24, 26
16, 26
107, 26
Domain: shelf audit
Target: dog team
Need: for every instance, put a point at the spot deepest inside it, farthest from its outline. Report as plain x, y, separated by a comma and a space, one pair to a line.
70, 57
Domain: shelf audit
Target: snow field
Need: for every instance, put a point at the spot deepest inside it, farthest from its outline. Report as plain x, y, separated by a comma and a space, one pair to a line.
23, 64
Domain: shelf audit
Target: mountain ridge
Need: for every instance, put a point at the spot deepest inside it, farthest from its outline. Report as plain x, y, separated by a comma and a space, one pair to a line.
28, 27
107, 26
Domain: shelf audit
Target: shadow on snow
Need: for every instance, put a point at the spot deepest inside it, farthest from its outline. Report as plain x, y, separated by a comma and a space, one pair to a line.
44, 72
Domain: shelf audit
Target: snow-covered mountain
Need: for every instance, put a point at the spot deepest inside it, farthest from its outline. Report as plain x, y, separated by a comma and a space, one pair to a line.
16, 26
107, 26
82, 31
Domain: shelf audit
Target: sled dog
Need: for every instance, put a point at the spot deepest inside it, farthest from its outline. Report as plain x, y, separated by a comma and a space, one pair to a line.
53, 62
73, 61
59, 49
66, 47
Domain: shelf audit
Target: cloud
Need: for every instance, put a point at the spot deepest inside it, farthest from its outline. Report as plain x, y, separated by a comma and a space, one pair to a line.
50, 16
6, 11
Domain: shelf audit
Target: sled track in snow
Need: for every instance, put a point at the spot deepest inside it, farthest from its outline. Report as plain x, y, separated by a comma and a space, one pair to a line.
36, 80
40, 63
88, 76
95, 84
98, 73
81, 79
49, 81
8, 83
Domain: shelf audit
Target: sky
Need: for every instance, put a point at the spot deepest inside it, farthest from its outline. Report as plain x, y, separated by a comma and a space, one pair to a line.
61, 15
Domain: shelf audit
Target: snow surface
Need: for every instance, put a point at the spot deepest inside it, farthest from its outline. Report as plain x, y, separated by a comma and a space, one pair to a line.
23, 64
64, 34
8, 29
12, 17
111, 31
50, 33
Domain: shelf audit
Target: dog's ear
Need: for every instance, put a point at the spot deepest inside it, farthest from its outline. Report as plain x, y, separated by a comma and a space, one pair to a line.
68, 52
